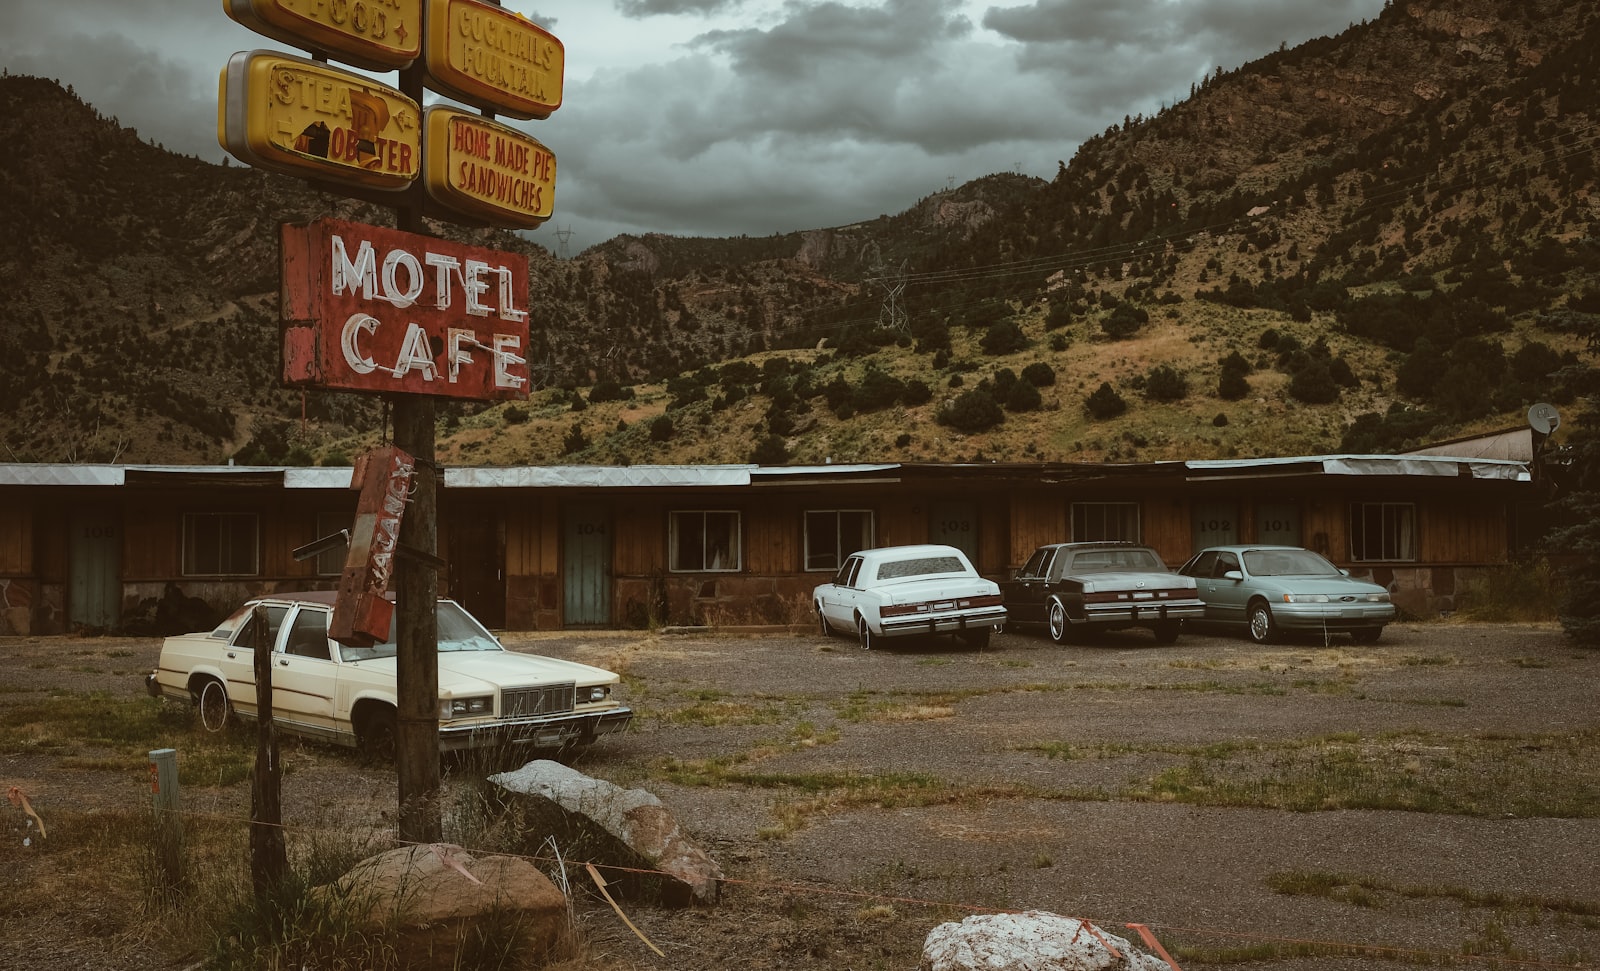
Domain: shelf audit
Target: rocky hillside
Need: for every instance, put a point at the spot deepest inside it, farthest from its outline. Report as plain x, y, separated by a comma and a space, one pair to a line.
1363, 241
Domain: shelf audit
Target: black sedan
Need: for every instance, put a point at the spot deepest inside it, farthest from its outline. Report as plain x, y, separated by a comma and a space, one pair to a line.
1073, 588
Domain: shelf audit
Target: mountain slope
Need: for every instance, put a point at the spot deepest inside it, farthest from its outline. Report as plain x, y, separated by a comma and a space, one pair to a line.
1355, 243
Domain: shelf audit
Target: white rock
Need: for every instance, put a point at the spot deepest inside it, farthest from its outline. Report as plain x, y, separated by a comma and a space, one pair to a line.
1031, 941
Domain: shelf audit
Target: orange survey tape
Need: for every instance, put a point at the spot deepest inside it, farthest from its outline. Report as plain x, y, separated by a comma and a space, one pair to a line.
20, 799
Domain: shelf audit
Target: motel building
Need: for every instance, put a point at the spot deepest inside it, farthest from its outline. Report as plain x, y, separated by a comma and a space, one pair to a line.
145, 549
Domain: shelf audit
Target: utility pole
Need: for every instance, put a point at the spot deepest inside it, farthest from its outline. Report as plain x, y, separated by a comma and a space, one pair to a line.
416, 738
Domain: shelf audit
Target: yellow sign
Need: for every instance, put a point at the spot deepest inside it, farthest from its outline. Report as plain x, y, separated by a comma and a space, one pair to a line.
487, 171
492, 58
303, 118
380, 35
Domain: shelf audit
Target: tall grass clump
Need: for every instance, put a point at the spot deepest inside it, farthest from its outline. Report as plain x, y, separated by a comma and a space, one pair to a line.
1529, 591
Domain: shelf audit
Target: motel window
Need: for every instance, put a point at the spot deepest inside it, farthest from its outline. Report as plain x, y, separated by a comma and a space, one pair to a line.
330, 563
220, 544
1383, 531
704, 541
833, 534
1105, 521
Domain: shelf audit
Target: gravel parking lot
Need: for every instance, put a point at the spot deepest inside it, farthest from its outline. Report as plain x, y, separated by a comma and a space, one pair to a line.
1301, 805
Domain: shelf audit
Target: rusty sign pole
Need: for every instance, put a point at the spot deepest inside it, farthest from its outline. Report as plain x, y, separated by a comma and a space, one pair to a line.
416, 749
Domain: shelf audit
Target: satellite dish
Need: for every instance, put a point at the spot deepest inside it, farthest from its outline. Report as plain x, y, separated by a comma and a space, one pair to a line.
1543, 418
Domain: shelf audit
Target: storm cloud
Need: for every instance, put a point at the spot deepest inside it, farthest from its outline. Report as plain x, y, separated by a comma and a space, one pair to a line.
730, 117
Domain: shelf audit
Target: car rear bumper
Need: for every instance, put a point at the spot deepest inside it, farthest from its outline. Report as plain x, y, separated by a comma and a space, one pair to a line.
1142, 612
943, 623
554, 731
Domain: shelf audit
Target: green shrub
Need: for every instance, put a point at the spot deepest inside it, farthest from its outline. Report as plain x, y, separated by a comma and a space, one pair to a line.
973, 411
1104, 402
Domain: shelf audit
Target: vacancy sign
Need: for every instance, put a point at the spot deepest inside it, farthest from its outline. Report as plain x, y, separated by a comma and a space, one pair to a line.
492, 58
487, 171
379, 35
303, 118
366, 308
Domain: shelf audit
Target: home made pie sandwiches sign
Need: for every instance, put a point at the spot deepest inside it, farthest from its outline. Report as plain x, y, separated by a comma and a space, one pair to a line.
366, 308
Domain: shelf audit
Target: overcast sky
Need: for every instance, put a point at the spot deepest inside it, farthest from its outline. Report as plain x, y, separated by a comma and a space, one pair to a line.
722, 117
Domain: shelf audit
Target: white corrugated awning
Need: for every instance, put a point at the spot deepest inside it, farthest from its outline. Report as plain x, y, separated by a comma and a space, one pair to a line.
1412, 465
593, 476
62, 475
334, 477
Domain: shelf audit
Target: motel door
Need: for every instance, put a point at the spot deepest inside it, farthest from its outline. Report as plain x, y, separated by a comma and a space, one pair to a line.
586, 566
94, 593
477, 566
1215, 524
955, 524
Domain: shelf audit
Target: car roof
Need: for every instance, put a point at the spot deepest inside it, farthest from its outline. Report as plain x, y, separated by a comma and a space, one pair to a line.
1251, 547
1098, 544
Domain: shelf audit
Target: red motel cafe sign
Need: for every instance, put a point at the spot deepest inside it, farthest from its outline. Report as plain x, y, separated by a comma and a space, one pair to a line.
299, 117
367, 308
487, 171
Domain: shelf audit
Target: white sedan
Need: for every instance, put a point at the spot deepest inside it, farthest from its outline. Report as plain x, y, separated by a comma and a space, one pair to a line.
488, 696
899, 591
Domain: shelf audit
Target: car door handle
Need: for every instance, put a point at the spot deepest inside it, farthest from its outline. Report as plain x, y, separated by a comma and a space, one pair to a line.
283, 662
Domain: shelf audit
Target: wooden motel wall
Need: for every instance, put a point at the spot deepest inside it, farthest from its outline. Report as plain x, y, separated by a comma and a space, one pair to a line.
509, 562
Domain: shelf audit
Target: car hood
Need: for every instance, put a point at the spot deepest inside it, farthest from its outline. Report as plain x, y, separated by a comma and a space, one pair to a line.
469, 671
1332, 586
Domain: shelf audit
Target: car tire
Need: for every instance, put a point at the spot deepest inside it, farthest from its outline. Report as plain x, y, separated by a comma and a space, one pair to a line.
1057, 624
1263, 629
211, 701
827, 628
977, 637
864, 633
375, 735
1167, 631
1367, 635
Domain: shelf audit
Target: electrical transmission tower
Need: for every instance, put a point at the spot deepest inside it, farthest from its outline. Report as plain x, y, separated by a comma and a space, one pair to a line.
563, 234
892, 315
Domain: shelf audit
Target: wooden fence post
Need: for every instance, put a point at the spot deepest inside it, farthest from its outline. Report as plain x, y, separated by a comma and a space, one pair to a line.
168, 824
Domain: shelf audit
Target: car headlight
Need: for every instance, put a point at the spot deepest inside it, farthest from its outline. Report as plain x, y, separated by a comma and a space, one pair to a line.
465, 707
1378, 598
1305, 598
599, 692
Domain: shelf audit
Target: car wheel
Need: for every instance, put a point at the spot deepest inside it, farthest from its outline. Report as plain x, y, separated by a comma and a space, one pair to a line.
375, 735
864, 633
212, 702
827, 628
1367, 635
1262, 628
1060, 627
977, 637
1167, 631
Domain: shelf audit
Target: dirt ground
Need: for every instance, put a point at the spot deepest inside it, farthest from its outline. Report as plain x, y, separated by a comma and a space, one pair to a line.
857, 799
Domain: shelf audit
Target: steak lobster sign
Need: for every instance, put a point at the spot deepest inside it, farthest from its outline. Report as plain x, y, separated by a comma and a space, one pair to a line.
367, 308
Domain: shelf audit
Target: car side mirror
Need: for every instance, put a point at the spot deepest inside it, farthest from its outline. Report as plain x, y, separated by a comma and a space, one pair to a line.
1343, 572
1233, 575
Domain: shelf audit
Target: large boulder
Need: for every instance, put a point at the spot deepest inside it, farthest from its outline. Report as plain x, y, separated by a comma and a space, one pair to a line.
441, 904
1031, 941
645, 832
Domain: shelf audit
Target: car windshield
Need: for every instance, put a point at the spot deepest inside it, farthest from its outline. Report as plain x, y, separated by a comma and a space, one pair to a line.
458, 631
919, 566
1114, 561
1288, 563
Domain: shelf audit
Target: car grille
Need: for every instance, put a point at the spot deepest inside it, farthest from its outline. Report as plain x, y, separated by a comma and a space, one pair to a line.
546, 699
